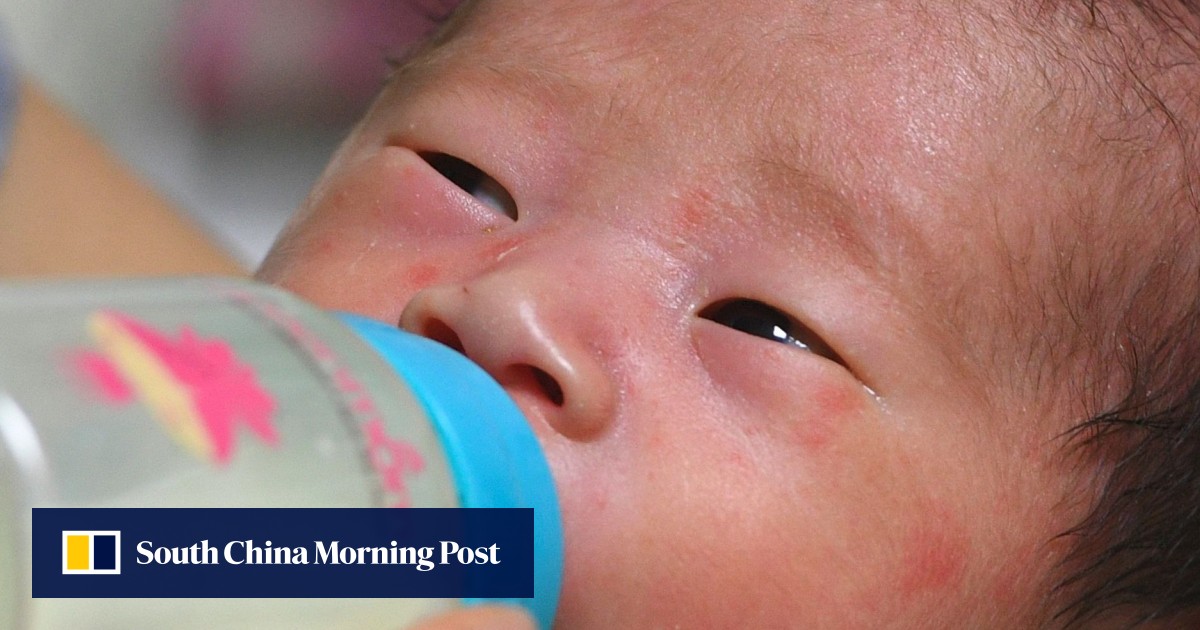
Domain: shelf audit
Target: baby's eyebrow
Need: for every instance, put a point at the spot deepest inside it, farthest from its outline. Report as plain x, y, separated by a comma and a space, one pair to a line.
818, 209
506, 82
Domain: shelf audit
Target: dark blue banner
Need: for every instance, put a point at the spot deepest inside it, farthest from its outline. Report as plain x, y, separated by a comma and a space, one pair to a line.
283, 552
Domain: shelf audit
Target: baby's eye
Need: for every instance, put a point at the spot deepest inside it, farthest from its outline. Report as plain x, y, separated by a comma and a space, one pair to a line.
475, 182
756, 318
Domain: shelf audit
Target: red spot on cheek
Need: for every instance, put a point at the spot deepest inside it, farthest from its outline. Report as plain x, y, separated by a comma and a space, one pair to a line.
691, 218
815, 433
738, 462
692, 206
326, 245
830, 409
935, 555
421, 275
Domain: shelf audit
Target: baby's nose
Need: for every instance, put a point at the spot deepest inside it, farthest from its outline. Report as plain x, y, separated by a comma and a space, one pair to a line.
536, 348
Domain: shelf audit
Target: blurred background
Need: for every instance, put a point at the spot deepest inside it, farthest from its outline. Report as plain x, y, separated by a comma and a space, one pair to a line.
229, 107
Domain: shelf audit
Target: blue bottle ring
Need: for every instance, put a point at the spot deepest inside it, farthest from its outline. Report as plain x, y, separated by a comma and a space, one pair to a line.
496, 463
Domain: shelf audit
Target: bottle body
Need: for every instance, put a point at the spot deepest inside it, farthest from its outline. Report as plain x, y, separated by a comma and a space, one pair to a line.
205, 392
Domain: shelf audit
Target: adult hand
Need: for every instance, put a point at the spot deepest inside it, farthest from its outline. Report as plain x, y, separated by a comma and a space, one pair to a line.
68, 206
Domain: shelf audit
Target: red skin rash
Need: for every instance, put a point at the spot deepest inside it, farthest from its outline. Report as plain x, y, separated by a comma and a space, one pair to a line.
935, 555
421, 275
327, 246
831, 406
691, 213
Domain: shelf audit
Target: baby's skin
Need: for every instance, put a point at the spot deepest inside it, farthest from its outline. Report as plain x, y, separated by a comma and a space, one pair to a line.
759, 274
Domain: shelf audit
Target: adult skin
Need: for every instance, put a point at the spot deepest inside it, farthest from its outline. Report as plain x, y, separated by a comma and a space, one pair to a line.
68, 207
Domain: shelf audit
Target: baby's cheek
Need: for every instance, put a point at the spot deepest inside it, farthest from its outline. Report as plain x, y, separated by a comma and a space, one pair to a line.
342, 267
830, 406
420, 275
910, 557
806, 402
953, 546
375, 232
934, 553
310, 261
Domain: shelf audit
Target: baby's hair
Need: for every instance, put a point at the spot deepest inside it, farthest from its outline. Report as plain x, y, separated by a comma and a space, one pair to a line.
1135, 558
1137, 554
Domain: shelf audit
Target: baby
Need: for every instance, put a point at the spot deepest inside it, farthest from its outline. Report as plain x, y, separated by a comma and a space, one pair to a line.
828, 314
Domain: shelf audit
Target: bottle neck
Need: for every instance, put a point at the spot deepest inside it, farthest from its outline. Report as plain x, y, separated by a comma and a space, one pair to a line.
495, 458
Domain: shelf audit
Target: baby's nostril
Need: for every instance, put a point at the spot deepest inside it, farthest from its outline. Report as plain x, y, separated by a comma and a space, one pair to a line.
438, 331
549, 386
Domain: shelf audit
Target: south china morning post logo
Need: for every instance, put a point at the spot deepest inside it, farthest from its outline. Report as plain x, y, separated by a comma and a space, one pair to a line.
283, 552
251, 552
91, 552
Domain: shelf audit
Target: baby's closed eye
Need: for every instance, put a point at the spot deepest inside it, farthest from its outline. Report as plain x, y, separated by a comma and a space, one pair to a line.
762, 320
474, 182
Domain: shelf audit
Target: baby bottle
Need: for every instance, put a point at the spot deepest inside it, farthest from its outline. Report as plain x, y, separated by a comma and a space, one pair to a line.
210, 392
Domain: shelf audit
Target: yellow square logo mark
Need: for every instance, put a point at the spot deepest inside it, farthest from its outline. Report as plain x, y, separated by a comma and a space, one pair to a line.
91, 552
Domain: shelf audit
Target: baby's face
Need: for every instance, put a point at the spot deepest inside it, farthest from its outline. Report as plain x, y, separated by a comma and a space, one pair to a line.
754, 291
